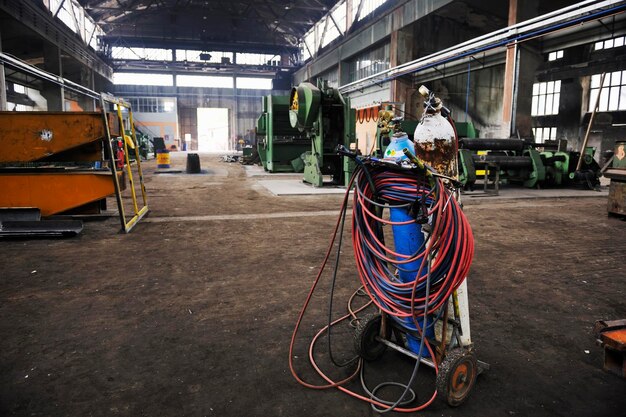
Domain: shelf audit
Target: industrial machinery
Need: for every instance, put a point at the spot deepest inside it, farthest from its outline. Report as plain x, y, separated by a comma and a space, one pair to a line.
280, 145
48, 161
327, 119
617, 175
520, 162
514, 160
54, 163
144, 142
416, 285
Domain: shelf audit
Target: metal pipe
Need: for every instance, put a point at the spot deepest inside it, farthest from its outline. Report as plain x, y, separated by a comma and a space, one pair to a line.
467, 89
553, 159
541, 25
493, 144
3, 85
593, 115
56, 79
504, 161
407, 352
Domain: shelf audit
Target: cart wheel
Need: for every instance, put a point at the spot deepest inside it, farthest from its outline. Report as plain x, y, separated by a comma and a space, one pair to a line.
456, 377
365, 342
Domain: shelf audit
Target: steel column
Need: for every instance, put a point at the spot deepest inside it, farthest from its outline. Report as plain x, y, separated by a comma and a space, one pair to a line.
509, 74
3, 85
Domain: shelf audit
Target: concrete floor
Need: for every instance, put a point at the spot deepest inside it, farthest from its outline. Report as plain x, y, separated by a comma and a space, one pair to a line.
192, 313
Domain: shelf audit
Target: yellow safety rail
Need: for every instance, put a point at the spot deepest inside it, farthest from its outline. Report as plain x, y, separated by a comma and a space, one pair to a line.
139, 212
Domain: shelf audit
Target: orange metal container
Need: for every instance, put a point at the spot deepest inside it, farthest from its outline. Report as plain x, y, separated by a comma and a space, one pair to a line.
33, 136
54, 192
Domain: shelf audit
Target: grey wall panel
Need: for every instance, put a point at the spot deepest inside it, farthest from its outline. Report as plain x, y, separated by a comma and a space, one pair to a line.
370, 96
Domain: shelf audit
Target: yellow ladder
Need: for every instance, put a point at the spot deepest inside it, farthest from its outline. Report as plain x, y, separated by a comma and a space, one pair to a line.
138, 212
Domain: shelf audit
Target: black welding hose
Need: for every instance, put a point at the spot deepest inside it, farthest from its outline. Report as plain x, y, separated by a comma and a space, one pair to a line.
407, 387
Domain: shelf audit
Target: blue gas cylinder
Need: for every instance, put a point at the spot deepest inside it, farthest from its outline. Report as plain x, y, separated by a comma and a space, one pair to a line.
408, 239
399, 141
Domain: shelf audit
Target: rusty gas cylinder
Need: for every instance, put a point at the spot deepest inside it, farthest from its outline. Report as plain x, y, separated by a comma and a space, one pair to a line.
435, 141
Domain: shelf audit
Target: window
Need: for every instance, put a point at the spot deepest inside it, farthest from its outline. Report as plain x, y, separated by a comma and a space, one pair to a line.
553, 56
132, 78
149, 54
19, 107
254, 83
546, 98
369, 63
610, 43
206, 81
217, 57
76, 19
313, 40
332, 33
368, 7
613, 95
544, 133
308, 45
258, 59
152, 104
19, 88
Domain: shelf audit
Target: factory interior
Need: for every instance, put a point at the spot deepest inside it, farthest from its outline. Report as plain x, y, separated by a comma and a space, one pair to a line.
312, 208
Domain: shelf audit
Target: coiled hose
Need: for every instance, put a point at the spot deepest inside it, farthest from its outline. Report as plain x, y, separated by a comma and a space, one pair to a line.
449, 240
447, 253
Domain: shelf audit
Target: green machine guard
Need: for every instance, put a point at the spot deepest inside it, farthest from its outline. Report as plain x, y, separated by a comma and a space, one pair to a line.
328, 120
279, 144
538, 174
261, 134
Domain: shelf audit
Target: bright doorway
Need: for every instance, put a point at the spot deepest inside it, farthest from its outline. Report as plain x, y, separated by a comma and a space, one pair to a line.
212, 129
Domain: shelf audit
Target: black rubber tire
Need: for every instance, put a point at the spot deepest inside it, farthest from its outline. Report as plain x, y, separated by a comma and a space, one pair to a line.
456, 377
365, 343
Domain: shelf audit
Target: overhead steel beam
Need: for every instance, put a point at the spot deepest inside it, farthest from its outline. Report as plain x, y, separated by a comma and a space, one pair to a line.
42, 23
200, 45
182, 67
323, 36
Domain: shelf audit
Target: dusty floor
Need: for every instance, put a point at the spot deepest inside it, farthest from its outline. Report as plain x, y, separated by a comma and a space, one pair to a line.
193, 315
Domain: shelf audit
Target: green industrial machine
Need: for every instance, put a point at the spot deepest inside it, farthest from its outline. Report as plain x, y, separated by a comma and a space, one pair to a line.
467, 169
515, 160
325, 116
561, 167
465, 130
280, 145
261, 134
519, 161
144, 142
557, 165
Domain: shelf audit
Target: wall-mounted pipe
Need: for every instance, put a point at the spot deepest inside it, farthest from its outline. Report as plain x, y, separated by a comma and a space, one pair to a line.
578, 13
44, 75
